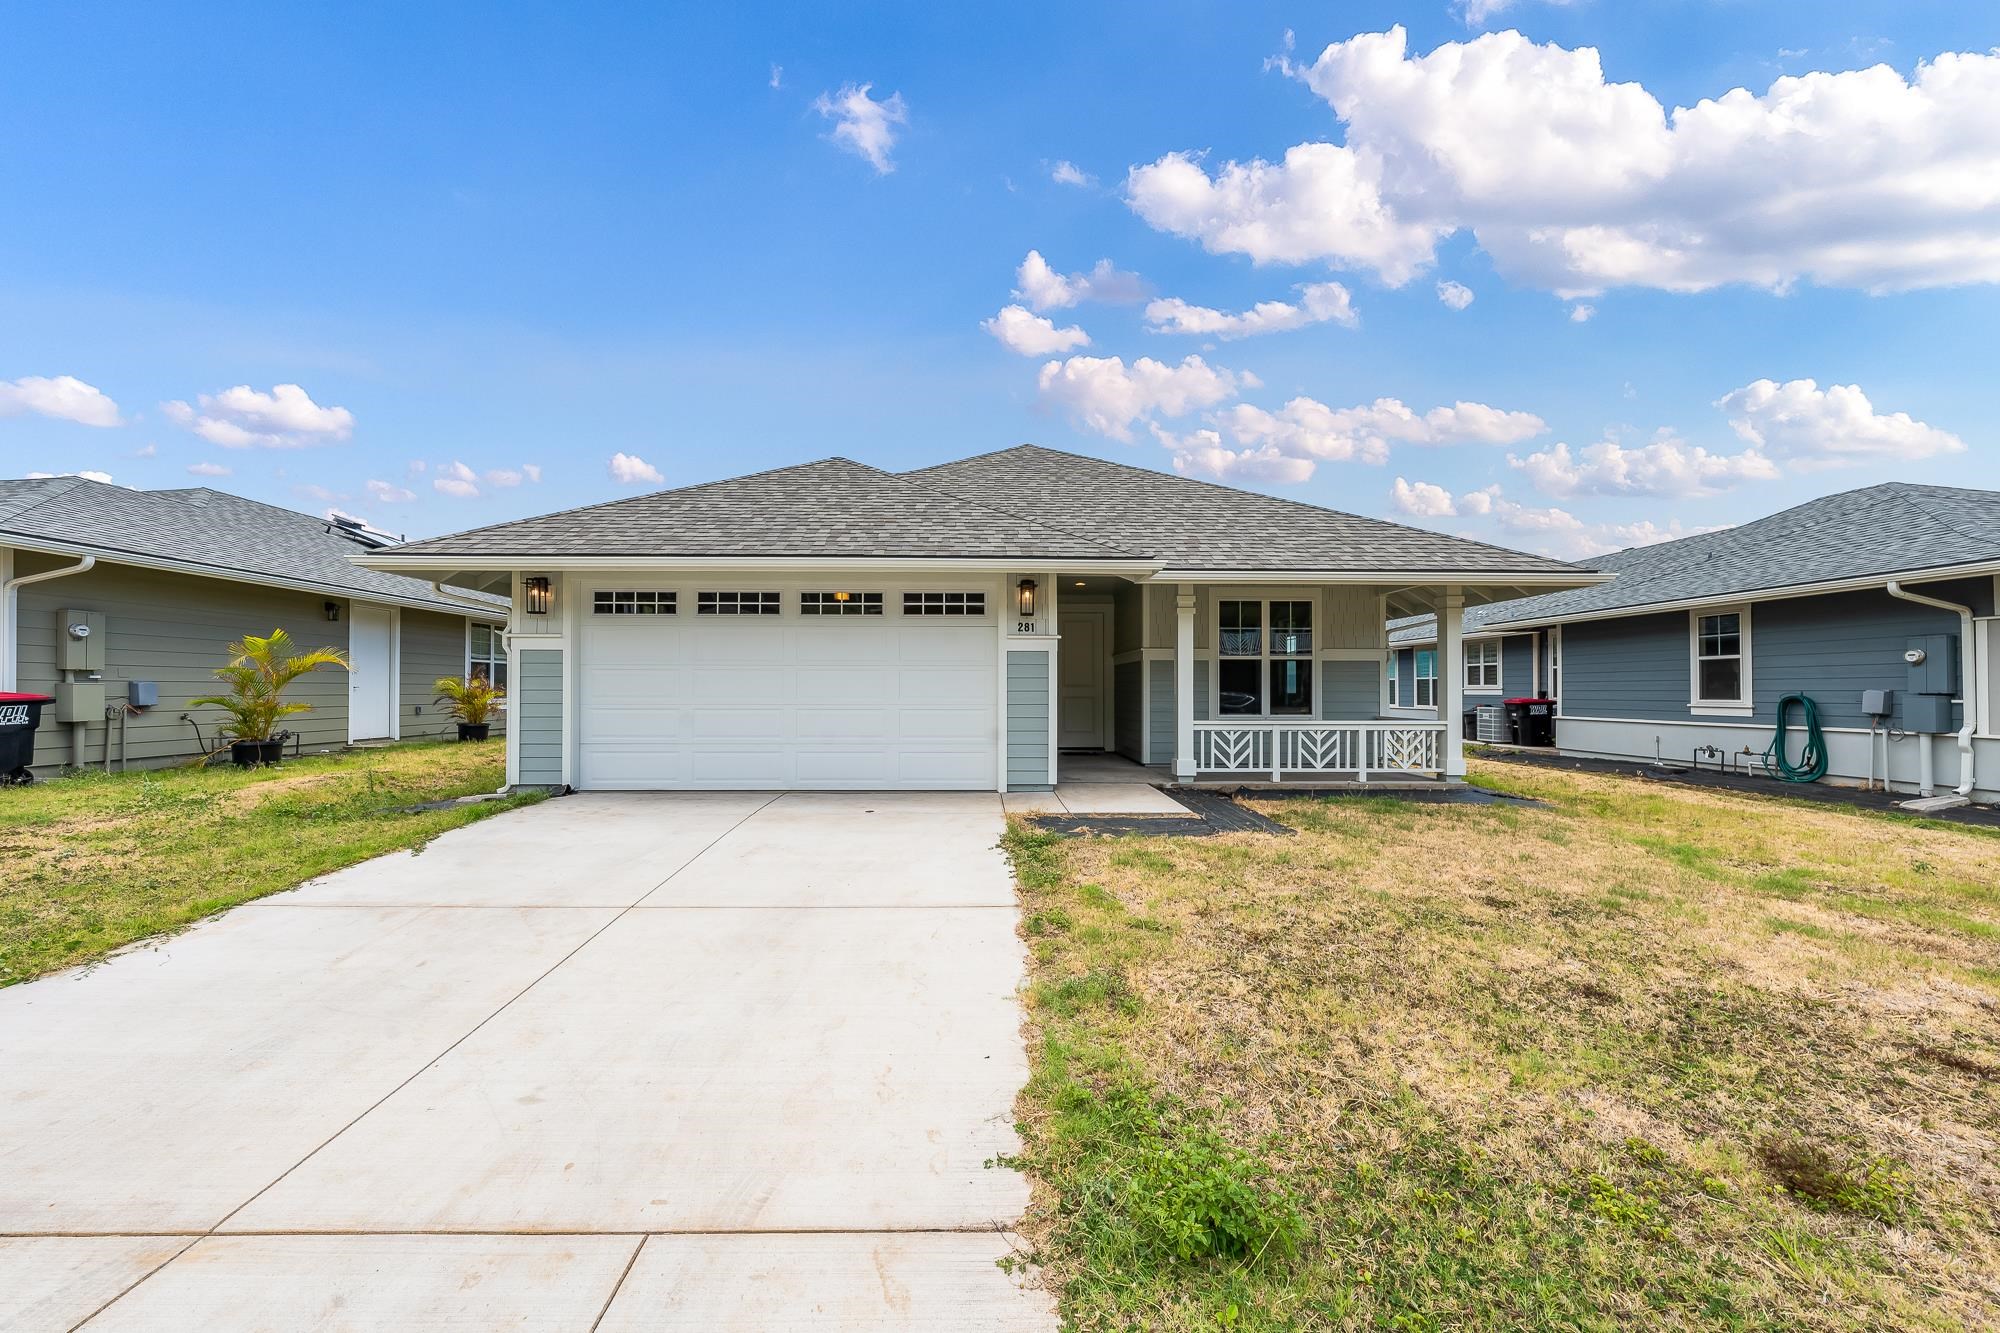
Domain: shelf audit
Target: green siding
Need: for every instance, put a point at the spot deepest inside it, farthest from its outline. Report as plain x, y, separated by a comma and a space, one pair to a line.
1160, 705
1028, 721
1350, 691
538, 716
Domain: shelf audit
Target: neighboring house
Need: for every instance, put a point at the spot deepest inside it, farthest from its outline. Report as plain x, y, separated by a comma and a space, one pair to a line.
1688, 651
831, 625
166, 580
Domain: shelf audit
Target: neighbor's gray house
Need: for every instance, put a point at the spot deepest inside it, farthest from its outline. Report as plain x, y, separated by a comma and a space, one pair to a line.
1688, 650
962, 626
106, 591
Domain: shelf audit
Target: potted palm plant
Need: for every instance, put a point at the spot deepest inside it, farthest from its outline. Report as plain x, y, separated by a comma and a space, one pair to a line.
259, 672
471, 702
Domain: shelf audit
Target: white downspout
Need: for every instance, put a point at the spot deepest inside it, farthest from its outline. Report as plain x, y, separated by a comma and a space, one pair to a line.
1968, 666
10, 650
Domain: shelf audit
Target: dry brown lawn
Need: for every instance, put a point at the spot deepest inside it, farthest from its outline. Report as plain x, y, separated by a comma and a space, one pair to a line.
1647, 1056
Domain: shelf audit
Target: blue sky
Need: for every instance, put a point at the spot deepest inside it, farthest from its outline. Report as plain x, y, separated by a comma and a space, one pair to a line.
494, 249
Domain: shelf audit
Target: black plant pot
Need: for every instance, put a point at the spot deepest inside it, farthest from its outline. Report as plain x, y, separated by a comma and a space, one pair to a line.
474, 731
249, 754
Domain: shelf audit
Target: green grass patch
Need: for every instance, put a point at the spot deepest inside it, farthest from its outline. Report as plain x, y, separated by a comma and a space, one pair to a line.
96, 861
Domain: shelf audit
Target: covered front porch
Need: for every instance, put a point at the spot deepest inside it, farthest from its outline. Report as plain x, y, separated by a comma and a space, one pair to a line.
1232, 683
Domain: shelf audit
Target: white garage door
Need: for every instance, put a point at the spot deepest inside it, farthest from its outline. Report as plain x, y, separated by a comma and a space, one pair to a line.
786, 701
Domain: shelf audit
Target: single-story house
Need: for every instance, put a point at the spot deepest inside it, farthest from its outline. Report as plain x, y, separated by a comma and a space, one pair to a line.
1877, 599
127, 594
832, 625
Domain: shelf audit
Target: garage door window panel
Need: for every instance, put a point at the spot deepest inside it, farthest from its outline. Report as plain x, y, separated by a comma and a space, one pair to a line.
944, 603
632, 602
737, 604
840, 603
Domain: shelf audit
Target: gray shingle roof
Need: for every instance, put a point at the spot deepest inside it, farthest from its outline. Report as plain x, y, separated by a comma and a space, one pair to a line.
1199, 525
1876, 532
200, 528
832, 508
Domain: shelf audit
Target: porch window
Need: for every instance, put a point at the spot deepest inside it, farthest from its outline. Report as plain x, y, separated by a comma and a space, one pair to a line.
1482, 665
1263, 674
1395, 682
1721, 658
1427, 677
486, 655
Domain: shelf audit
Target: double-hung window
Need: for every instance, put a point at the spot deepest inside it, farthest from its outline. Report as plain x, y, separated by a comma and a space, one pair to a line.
1394, 679
1721, 659
1265, 658
1427, 677
1482, 665
486, 655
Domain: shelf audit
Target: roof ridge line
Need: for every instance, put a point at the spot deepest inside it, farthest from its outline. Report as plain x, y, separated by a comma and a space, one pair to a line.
1017, 517
1903, 496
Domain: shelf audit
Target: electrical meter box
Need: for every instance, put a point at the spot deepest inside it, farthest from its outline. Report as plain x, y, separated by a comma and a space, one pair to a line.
79, 641
80, 701
1927, 712
1933, 664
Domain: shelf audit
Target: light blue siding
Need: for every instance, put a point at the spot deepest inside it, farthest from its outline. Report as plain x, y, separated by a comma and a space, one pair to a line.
1831, 648
1350, 690
1517, 666
1160, 705
537, 707
1406, 678
1129, 684
1028, 721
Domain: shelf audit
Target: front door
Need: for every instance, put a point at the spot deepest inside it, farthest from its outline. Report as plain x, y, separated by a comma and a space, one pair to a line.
1083, 678
371, 654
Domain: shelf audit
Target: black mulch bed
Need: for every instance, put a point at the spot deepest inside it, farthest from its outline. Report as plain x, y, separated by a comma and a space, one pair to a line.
1456, 794
1984, 816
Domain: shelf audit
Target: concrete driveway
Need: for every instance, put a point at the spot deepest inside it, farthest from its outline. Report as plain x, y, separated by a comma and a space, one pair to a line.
719, 1061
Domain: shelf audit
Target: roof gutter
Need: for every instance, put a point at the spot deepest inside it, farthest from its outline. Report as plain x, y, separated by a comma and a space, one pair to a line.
425, 564
10, 649
1968, 665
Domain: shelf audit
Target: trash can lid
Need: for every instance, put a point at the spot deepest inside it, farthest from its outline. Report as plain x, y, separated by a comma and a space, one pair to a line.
9, 697
1529, 699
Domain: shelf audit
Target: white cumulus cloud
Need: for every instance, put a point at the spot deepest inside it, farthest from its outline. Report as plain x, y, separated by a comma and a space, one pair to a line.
247, 418
1019, 330
1866, 178
1665, 467
632, 470
1454, 294
1202, 452
206, 469
87, 475
388, 493
1103, 394
1832, 427
1323, 202
457, 480
1319, 302
864, 126
1044, 288
1069, 173
64, 397
1422, 498
1307, 432
1548, 530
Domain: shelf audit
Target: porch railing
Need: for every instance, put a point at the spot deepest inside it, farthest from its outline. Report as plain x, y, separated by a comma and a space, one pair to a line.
1271, 748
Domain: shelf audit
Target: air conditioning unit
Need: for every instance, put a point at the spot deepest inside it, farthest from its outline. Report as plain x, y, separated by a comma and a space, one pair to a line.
1492, 725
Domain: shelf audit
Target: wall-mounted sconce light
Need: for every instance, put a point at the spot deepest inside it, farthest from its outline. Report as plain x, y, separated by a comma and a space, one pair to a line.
1027, 591
843, 597
538, 594
333, 610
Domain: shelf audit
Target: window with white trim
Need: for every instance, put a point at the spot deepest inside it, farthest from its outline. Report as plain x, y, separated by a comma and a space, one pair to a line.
1482, 665
1394, 681
736, 604
1427, 677
632, 602
1260, 674
840, 603
944, 603
486, 654
1721, 647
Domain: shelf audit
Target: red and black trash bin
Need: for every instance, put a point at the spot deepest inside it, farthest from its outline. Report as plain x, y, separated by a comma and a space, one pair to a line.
1531, 720
20, 714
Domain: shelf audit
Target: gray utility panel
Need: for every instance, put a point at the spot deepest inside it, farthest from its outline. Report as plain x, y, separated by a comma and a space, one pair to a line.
1933, 664
80, 641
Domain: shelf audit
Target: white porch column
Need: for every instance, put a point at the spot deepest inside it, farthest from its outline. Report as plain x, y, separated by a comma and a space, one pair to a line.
1451, 679
1184, 768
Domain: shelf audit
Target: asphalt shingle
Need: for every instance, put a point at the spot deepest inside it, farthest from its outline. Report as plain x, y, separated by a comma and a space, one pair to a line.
200, 528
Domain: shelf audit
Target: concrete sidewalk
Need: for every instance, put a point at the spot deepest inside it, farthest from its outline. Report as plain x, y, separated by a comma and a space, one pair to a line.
709, 1061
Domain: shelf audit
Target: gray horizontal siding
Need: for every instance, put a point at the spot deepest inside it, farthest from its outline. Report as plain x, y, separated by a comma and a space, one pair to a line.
1350, 690
1129, 720
1517, 666
538, 716
173, 629
1830, 648
433, 645
1028, 721
1160, 706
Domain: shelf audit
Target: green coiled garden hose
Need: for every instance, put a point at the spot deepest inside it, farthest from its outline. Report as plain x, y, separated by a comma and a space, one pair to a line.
1811, 765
